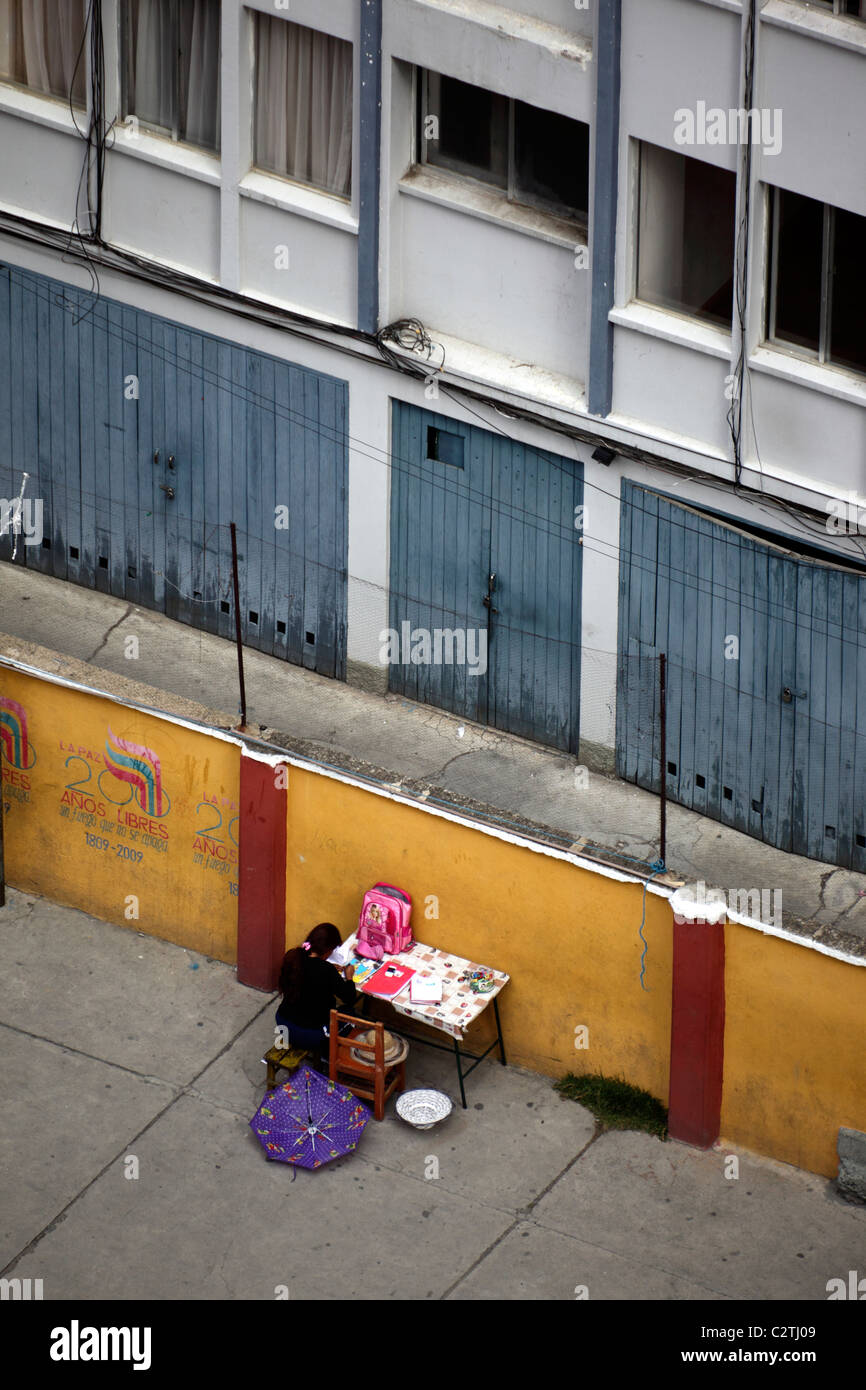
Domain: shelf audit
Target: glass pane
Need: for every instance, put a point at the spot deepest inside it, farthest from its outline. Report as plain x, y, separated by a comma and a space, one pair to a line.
686, 235
150, 63
848, 312
473, 131
551, 159
199, 73
444, 447
42, 47
173, 67
303, 122
798, 269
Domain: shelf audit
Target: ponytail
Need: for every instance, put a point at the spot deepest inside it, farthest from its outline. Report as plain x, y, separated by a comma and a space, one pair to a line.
322, 940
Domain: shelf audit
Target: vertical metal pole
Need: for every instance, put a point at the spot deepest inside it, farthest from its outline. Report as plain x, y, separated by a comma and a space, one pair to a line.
663, 742
243, 705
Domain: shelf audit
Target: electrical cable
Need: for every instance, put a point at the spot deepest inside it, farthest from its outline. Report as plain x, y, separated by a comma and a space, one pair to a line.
152, 273
741, 254
655, 871
655, 569
410, 468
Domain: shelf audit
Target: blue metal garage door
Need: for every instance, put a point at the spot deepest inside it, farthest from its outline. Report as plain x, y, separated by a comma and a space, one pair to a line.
766, 698
484, 543
145, 439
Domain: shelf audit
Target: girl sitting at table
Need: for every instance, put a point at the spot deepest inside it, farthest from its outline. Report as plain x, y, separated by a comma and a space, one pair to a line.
309, 983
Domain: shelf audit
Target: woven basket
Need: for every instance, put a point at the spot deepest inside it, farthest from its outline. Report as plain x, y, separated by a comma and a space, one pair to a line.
423, 1109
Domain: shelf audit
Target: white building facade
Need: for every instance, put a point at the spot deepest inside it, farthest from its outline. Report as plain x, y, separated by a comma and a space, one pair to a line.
537, 326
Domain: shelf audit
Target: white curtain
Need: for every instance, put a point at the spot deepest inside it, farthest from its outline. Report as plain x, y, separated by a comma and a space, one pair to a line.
173, 72
303, 123
199, 86
41, 46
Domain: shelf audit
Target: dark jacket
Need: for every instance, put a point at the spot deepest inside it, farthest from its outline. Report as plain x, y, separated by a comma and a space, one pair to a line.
320, 981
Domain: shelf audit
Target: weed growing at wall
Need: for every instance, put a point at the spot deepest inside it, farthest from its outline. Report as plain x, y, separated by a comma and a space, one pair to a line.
615, 1103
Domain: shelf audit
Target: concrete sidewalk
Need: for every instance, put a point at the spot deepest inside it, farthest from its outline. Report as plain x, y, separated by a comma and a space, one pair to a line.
119, 1046
423, 749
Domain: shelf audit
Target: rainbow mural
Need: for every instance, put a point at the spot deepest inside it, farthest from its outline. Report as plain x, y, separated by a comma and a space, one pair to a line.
140, 767
13, 733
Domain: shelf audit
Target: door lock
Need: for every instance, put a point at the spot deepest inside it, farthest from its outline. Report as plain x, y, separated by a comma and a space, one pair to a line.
788, 694
169, 491
491, 585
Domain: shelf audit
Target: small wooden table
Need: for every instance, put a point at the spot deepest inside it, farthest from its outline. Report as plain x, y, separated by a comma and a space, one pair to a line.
467, 989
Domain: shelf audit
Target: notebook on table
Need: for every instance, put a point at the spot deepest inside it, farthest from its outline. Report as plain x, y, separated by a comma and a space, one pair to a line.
388, 980
425, 989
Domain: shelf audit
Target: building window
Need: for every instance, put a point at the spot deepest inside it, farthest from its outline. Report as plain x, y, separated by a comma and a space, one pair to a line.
172, 68
303, 105
685, 256
42, 47
817, 299
535, 157
848, 9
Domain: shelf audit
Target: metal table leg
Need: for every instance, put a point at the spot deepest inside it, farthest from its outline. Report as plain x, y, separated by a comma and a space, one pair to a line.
460, 1072
499, 1030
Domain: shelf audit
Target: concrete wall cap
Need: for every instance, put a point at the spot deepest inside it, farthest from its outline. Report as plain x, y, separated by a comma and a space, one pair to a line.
686, 906
852, 1144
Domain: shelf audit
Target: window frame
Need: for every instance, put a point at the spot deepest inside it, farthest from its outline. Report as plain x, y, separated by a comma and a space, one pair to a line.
508, 189
171, 133
836, 8
348, 200
66, 101
821, 355
637, 175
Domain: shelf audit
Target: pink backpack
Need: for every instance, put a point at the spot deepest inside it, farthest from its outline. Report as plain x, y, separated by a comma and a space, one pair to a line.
383, 926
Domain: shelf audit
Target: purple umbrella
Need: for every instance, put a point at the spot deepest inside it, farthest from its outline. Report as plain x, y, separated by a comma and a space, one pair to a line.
309, 1121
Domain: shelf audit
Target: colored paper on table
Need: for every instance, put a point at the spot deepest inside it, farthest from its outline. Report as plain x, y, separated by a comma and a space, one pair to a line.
363, 970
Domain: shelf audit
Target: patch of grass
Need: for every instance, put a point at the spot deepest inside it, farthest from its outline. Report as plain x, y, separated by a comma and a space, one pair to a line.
615, 1102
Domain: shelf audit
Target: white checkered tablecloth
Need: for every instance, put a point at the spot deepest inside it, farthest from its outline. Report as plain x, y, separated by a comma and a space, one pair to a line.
460, 1004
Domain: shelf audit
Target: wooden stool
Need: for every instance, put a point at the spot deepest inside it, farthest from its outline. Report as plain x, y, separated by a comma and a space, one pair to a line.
282, 1058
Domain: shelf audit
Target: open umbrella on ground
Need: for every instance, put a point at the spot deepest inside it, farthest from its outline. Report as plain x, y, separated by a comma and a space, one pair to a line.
309, 1121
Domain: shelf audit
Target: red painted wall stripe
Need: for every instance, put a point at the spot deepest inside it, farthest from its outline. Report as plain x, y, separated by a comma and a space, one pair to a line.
261, 874
697, 1032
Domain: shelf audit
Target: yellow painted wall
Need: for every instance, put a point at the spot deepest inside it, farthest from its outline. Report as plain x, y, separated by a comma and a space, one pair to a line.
795, 1043
567, 937
795, 1032
78, 834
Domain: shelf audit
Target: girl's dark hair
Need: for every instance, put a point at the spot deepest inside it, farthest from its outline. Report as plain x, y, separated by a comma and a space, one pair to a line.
322, 940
